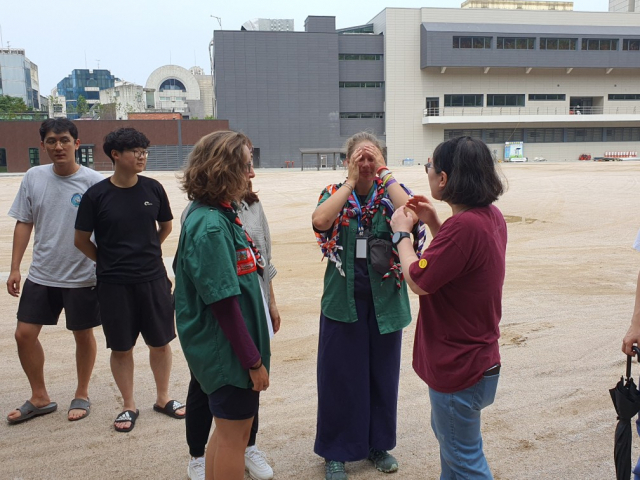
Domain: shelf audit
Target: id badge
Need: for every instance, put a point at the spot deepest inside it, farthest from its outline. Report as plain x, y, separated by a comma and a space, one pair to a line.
361, 246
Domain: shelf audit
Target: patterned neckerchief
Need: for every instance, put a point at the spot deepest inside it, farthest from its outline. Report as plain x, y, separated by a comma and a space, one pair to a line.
328, 241
228, 208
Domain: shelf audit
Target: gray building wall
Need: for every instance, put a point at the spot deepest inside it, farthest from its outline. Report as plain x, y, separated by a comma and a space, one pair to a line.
436, 49
281, 89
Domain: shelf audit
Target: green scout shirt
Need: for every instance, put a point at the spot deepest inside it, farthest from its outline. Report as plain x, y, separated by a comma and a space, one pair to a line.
206, 272
338, 302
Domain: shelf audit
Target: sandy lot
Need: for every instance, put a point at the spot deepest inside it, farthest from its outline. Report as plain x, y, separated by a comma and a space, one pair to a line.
568, 298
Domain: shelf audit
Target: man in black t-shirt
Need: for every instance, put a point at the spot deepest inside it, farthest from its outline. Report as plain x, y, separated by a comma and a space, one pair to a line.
131, 217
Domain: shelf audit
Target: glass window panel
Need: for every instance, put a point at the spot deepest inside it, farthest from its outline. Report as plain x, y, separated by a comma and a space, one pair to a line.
465, 42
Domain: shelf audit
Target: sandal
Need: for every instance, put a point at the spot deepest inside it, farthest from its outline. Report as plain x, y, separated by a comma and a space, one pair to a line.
170, 409
29, 410
79, 404
126, 416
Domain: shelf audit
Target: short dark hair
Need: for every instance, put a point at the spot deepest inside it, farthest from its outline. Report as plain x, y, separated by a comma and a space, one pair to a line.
124, 139
58, 126
472, 179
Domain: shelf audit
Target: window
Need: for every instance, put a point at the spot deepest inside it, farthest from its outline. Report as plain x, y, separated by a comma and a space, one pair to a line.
501, 135
463, 100
515, 43
34, 157
547, 96
472, 42
544, 135
558, 43
361, 114
475, 133
622, 134
3, 160
505, 100
599, 44
362, 56
584, 134
361, 84
172, 84
631, 44
624, 96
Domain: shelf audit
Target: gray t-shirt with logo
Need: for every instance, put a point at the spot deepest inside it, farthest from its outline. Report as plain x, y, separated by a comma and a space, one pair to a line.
50, 202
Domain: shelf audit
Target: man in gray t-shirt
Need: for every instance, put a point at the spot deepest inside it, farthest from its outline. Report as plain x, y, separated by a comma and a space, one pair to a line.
60, 276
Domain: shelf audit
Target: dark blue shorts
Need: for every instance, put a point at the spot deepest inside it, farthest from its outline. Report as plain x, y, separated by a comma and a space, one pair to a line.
233, 403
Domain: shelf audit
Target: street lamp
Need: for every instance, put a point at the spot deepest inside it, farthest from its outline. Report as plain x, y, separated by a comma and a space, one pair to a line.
211, 55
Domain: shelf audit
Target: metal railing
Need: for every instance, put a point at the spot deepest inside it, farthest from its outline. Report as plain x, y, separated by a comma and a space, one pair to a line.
497, 111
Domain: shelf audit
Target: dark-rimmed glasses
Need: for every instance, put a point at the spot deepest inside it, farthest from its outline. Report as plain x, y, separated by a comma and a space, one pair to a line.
140, 153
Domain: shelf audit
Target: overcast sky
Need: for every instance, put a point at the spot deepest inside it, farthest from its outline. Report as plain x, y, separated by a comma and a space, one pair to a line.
134, 37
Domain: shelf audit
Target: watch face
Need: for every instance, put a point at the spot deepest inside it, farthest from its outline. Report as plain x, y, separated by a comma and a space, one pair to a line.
398, 236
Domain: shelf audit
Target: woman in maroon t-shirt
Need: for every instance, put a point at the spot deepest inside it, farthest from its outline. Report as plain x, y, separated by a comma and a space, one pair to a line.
459, 278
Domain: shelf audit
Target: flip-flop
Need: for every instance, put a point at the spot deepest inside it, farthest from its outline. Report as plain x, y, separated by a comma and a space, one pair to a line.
29, 410
126, 416
79, 404
170, 409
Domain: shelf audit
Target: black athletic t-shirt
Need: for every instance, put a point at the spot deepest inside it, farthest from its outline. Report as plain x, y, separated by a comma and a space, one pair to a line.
124, 223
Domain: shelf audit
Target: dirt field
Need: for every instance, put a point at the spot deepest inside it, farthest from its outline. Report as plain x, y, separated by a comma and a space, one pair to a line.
568, 298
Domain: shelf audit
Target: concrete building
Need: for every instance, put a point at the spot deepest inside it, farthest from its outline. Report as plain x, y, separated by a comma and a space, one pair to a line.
562, 83
85, 83
172, 88
19, 77
624, 5
293, 91
121, 100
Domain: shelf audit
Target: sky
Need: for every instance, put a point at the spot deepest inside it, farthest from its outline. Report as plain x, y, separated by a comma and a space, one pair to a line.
132, 38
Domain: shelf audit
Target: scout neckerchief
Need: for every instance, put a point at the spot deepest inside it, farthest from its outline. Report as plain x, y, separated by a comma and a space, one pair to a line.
227, 208
379, 201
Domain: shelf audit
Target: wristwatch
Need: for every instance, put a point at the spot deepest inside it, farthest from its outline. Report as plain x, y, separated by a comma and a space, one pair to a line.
398, 236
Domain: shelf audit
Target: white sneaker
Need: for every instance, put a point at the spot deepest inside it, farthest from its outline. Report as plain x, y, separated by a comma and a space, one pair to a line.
256, 464
195, 471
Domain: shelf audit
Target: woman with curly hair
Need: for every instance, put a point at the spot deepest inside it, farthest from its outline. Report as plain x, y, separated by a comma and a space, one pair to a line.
220, 314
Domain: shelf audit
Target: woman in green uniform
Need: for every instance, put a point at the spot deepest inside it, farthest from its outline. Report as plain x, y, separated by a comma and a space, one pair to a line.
220, 311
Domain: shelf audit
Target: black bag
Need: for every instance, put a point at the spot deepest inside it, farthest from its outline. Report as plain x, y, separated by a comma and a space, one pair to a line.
380, 254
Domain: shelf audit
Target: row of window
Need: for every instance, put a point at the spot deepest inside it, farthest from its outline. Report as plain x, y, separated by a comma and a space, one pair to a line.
361, 56
624, 96
493, 100
517, 100
546, 43
361, 84
549, 135
361, 114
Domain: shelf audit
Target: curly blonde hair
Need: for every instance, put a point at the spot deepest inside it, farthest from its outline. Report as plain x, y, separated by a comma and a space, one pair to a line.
216, 170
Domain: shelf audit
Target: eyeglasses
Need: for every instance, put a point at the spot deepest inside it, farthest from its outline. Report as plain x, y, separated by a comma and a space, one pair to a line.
427, 166
249, 167
52, 142
140, 153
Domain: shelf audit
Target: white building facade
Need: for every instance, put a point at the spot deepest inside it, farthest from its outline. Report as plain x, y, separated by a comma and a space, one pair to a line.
564, 83
172, 88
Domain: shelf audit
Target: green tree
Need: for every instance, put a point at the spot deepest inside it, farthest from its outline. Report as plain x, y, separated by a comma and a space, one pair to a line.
82, 106
11, 105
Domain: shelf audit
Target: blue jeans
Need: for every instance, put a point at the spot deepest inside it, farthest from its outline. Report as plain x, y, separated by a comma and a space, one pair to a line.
455, 420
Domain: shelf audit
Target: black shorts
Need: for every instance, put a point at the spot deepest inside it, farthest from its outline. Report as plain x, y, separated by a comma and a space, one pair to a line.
42, 305
233, 403
128, 310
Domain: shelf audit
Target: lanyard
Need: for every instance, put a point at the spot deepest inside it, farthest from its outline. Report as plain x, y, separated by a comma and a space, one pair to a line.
359, 217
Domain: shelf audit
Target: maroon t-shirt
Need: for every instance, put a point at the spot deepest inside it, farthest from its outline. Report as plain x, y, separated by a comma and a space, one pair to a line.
457, 331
